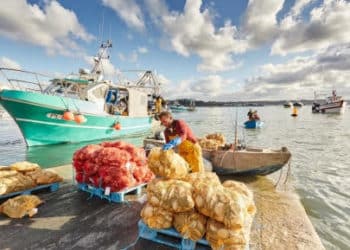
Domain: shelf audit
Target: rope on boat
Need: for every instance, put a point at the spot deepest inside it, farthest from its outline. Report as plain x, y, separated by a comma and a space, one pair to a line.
223, 157
288, 171
279, 178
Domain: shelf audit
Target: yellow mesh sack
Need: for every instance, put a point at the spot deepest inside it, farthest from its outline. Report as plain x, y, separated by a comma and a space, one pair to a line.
244, 190
221, 204
167, 164
220, 237
21, 206
196, 179
172, 195
191, 224
15, 183
24, 166
42, 177
156, 217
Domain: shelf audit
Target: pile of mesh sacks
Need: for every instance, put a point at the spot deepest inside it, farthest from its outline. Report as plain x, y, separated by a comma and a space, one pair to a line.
117, 165
24, 175
212, 141
197, 205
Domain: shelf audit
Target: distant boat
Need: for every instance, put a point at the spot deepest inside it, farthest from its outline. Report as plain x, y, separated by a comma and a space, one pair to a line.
192, 106
332, 104
298, 104
253, 124
287, 104
177, 107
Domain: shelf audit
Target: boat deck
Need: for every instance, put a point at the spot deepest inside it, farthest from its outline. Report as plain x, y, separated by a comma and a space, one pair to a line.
70, 220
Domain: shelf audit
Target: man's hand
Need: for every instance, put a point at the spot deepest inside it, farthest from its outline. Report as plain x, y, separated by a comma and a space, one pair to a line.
173, 143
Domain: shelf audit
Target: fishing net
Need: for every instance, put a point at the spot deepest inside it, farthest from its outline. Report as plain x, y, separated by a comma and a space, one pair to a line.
190, 224
172, 195
20, 206
167, 164
156, 217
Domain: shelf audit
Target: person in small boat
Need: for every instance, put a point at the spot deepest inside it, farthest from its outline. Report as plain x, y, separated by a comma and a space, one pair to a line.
250, 114
179, 134
256, 116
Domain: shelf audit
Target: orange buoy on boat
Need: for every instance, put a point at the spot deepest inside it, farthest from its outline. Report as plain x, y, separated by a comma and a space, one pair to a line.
79, 118
295, 111
68, 115
117, 126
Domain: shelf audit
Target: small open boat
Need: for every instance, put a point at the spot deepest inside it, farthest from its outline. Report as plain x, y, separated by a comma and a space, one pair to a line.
253, 124
247, 161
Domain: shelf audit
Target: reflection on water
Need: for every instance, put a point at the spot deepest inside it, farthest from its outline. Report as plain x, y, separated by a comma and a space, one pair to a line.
320, 156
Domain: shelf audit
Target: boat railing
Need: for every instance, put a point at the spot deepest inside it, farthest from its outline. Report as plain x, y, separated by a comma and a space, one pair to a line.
25, 80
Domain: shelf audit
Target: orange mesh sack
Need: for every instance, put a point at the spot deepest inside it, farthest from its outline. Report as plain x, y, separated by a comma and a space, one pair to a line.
156, 217
167, 164
222, 238
221, 204
172, 195
191, 224
21, 206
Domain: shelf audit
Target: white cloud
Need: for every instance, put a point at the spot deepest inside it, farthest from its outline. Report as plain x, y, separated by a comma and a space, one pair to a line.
142, 50
128, 11
300, 77
211, 87
329, 24
9, 63
260, 24
194, 32
52, 27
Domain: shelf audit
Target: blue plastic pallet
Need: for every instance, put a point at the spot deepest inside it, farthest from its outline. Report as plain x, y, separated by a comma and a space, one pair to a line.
117, 197
52, 187
170, 237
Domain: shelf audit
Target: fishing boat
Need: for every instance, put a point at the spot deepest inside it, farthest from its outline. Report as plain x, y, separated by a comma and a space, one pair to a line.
298, 104
288, 104
177, 107
332, 104
253, 124
76, 108
247, 160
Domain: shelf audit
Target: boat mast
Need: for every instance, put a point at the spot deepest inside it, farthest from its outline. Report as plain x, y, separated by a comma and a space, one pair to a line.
102, 54
236, 139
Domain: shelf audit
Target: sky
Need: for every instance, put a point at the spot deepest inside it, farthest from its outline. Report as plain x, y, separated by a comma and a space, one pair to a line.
224, 50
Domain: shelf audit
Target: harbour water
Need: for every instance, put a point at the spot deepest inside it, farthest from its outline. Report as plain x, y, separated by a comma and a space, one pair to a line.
319, 145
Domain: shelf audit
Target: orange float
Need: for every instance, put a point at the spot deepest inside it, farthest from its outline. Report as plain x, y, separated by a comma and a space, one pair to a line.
117, 126
79, 118
68, 115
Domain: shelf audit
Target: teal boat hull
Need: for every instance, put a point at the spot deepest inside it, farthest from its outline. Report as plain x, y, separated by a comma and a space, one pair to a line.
39, 117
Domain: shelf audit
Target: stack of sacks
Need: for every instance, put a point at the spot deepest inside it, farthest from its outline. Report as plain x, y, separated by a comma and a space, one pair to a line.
197, 205
212, 141
115, 165
24, 175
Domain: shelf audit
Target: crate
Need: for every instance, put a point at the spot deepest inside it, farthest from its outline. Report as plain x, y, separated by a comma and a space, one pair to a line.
52, 187
117, 197
170, 237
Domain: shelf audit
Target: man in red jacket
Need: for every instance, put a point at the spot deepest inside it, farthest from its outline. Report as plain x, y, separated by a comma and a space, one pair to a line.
178, 133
